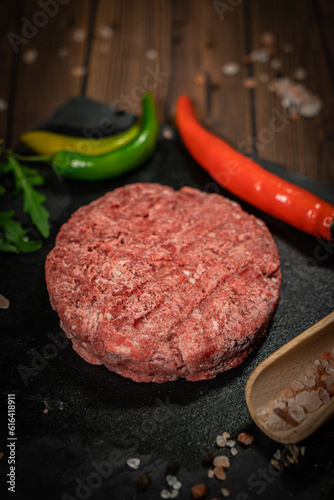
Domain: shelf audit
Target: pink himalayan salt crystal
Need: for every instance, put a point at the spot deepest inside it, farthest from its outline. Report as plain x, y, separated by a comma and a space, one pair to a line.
221, 461
309, 400
211, 474
323, 395
297, 412
286, 394
296, 385
274, 419
245, 438
219, 473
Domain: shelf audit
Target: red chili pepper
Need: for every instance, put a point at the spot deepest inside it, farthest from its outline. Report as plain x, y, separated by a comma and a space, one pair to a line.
252, 183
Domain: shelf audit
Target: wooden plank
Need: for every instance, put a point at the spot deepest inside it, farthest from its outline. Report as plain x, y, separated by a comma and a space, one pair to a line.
304, 146
119, 70
204, 38
9, 26
324, 14
48, 82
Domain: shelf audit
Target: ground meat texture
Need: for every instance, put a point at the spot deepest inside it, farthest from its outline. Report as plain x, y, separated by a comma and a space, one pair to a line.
158, 284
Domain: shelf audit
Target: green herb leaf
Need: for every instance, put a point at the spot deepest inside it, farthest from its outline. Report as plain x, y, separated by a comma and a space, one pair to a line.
12, 234
25, 180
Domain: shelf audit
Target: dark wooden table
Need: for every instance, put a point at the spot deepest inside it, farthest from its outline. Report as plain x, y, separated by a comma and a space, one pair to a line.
191, 40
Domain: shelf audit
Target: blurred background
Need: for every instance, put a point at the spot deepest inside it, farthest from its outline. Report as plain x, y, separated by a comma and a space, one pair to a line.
260, 73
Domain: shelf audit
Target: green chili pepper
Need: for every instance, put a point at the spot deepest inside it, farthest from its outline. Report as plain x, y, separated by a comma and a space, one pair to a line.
49, 143
115, 163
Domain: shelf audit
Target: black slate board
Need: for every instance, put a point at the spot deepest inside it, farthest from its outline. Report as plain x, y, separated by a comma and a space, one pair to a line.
97, 416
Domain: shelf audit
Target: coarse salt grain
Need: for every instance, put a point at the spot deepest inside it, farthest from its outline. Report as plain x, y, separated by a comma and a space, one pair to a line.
311, 108
226, 435
222, 461
199, 491
63, 52
276, 63
211, 474
171, 480
260, 55
151, 54
275, 464
231, 68
296, 385
323, 395
221, 441
275, 420
105, 32
30, 56
79, 71
267, 39
4, 303
174, 493
3, 105
277, 455
165, 494
225, 492
245, 438
309, 400
249, 83
219, 473
133, 463
230, 443
199, 80
167, 134
177, 485
234, 451
297, 412
79, 35
300, 74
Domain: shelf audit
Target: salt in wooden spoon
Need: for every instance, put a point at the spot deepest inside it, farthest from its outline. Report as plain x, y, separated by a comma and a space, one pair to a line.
278, 371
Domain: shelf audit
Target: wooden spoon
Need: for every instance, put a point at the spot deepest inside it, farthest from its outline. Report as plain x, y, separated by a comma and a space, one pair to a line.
278, 371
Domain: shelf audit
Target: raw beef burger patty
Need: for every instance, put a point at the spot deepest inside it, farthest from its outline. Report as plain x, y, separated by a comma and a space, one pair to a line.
159, 284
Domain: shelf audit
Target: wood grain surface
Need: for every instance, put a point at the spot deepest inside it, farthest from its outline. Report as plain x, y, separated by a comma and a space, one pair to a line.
173, 47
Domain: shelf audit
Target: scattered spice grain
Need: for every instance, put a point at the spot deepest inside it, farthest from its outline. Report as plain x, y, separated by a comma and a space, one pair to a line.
143, 481
275, 464
245, 438
219, 473
225, 492
133, 463
199, 491
4, 302
222, 461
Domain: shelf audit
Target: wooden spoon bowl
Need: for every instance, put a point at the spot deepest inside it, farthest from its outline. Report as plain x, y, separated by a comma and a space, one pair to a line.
278, 371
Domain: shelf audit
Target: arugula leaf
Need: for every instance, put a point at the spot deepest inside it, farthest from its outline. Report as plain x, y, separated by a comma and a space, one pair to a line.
12, 234
25, 180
